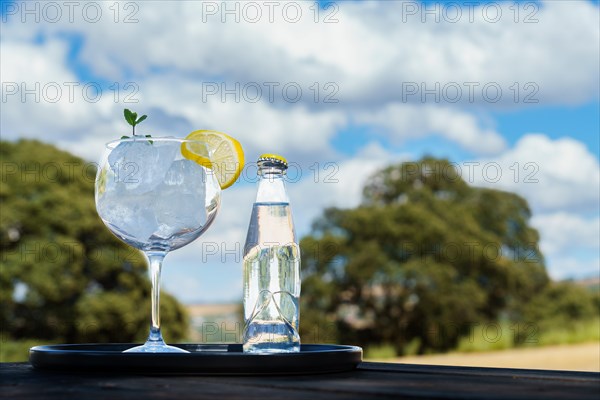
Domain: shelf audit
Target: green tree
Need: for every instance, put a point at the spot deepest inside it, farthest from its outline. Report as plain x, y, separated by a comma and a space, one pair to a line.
562, 303
423, 259
64, 276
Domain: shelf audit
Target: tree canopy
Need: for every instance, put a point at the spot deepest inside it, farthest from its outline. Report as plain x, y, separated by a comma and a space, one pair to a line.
64, 276
421, 260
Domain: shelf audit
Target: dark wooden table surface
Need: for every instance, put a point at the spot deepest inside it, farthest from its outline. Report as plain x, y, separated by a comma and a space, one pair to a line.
369, 381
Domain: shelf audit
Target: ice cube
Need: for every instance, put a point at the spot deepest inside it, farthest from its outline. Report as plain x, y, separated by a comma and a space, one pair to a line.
180, 204
141, 165
128, 214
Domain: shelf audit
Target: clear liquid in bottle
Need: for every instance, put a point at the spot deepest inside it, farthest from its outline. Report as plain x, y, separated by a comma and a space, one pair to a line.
271, 274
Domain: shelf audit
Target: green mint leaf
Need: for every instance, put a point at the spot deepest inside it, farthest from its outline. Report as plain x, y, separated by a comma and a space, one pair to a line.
129, 117
132, 119
124, 137
150, 141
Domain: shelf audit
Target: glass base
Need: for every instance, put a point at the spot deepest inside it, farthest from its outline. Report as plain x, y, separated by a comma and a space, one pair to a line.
272, 336
155, 347
271, 348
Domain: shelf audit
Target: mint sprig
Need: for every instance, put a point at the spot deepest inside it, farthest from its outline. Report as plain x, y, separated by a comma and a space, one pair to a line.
132, 119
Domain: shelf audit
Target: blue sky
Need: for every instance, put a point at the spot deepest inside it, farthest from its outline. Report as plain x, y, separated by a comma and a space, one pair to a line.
369, 57
580, 122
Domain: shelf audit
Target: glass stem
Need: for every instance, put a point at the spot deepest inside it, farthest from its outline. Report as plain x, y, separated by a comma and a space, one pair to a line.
155, 259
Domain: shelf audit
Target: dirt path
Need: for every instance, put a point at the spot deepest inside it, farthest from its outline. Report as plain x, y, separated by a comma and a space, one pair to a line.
578, 357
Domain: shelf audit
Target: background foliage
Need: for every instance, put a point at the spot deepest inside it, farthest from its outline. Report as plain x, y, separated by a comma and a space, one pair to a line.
64, 277
425, 260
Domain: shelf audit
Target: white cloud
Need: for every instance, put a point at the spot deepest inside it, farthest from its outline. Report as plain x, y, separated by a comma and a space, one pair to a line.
42, 98
563, 231
573, 267
260, 127
552, 175
370, 53
407, 121
372, 49
571, 244
35, 82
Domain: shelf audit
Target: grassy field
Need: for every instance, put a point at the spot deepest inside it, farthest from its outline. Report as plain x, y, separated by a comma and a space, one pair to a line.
491, 337
16, 350
574, 357
573, 347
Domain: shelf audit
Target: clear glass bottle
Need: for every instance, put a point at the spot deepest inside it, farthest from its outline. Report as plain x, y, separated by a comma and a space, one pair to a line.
271, 266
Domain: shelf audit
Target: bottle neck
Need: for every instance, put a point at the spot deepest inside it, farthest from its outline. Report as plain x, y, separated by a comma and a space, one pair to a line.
271, 188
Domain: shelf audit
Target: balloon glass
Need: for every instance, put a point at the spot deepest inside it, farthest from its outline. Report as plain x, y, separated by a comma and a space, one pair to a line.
154, 199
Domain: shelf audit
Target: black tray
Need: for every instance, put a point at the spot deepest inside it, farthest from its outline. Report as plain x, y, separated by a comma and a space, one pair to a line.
209, 359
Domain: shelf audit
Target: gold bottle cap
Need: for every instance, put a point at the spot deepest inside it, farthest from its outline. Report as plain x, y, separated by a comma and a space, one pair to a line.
274, 158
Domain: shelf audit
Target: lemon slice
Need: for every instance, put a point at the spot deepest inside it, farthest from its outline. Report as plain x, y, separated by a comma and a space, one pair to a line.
227, 159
